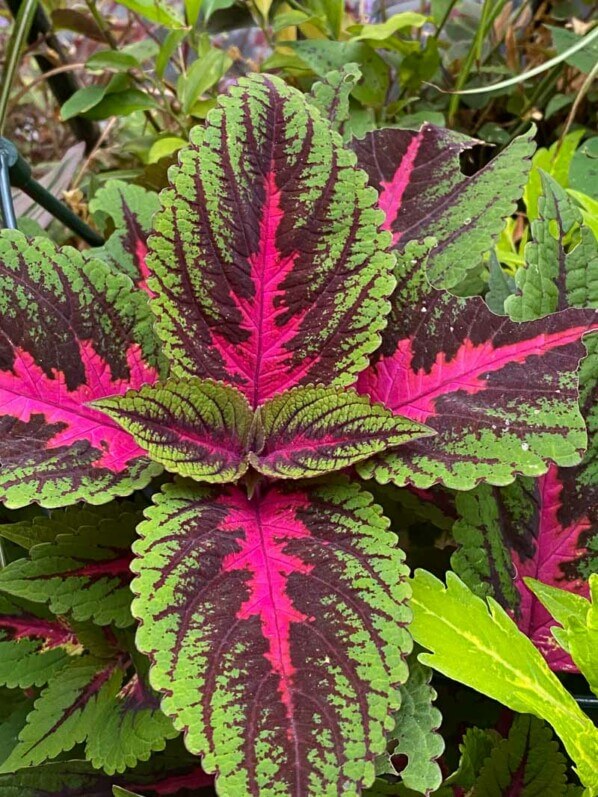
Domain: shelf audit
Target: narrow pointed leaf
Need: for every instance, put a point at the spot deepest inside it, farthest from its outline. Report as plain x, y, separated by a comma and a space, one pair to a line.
267, 260
70, 331
501, 396
275, 628
85, 574
490, 654
526, 764
66, 711
32, 644
423, 192
194, 427
124, 212
311, 431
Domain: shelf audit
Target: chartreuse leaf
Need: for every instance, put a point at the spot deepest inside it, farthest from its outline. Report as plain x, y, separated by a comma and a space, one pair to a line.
70, 331
310, 431
66, 711
423, 192
560, 271
501, 396
268, 265
158, 11
579, 620
415, 729
85, 573
490, 654
275, 627
125, 212
33, 644
331, 95
198, 428
527, 763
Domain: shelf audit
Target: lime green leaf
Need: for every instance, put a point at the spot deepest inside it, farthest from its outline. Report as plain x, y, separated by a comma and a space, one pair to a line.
202, 76
162, 13
489, 654
164, 147
383, 30
556, 162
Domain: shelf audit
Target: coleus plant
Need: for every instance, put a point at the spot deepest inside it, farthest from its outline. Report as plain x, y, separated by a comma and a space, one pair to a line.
291, 332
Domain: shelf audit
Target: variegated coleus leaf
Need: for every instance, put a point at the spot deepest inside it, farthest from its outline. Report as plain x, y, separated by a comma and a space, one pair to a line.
97, 701
33, 643
70, 331
161, 776
502, 396
423, 193
84, 573
276, 631
311, 431
206, 430
195, 427
124, 212
267, 261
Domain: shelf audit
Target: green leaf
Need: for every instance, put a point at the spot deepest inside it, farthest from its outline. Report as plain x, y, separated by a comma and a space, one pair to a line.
475, 748
82, 100
14, 707
198, 428
583, 170
579, 618
65, 713
559, 272
331, 95
384, 30
416, 724
480, 646
202, 75
164, 148
556, 162
173, 40
324, 56
584, 60
85, 574
121, 103
118, 791
307, 432
500, 286
528, 763
162, 13
111, 60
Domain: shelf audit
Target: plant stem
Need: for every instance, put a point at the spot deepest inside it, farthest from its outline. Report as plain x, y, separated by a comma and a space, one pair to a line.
17, 39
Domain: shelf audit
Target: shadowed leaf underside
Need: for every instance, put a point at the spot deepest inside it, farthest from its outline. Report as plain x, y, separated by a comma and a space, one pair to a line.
70, 331
275, 628
269, 267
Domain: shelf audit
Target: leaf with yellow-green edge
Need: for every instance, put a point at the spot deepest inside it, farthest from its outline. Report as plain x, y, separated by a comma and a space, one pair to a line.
194, 427
579, 620
313, 430
331, 94
490, 654
276, 631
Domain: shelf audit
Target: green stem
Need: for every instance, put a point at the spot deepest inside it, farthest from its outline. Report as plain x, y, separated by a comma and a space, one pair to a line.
16, 42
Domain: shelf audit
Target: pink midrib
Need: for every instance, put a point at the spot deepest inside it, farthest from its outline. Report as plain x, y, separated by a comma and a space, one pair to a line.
391, 192
419, 402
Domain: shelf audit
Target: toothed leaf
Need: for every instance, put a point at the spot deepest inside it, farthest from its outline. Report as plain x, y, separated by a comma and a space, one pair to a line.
71, 331
85, 573
526, 764
32, 644
275, 628
311, 431
124, 212
423, 192
415, 729
66, 711
501, 396
490, 654
331, 95
267, 260
193, 427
